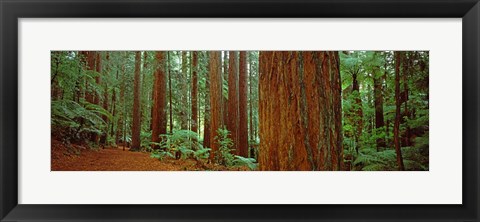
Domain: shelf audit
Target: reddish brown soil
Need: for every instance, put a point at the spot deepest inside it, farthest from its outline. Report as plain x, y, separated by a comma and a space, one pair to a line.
79, 158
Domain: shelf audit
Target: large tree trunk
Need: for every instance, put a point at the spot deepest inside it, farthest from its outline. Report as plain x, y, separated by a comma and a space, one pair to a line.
232, 109
159, 114
206, 126
170, 93
194, 92
215, 101
378, 100
398, 114
300, 111
136, 105
242, 110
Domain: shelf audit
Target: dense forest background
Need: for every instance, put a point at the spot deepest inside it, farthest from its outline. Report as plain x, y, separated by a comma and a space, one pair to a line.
241, 110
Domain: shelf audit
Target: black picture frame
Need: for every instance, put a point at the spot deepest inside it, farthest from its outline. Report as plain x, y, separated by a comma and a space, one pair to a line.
11, 11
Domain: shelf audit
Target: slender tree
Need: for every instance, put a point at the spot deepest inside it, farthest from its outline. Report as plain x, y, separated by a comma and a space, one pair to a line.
398, 115
378, 101
136, 105
194, 92
91, 56
184, 93
406, 115
250, 105
300, 111
105, 104
357, 110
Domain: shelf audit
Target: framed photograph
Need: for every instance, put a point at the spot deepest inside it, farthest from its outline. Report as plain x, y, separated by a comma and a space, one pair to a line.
224, 110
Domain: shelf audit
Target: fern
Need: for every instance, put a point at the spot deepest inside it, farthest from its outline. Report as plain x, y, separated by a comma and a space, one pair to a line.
243, 161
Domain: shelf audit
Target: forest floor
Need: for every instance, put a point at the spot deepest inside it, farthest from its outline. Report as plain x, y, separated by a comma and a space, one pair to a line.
80, 158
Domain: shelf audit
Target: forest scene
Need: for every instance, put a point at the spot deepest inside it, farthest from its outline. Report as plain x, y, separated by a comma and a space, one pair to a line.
239, 110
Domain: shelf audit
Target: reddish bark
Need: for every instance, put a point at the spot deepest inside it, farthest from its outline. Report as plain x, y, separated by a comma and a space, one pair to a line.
300, 111
216, 120
159, 114
194, 92
232, 108
242, 107
206, 127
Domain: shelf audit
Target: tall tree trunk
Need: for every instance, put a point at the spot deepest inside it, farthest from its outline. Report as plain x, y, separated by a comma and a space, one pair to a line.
194, 92
184, 93
144, 104
104, 137
170, 93
91, 57
300, 111
216, 120
98, 78
358, 111
398, 114
242, 110
250, 106
136, 105
206, 126
121, 120
406, 114
232, 108
159, 114
378, 94
113, 132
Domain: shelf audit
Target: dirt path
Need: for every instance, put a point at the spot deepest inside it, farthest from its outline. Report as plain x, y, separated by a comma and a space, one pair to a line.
78, 158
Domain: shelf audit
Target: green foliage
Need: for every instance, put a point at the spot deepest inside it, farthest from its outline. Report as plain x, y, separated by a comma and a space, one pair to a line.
184, 142
73, 121
244, 161
224, 155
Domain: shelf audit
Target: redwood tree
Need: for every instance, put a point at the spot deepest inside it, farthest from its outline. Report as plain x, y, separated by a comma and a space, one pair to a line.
194, 92
232, 108
215, 100
159, 114
184, 93
136, 105
206, 126
300, 111
242, 110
